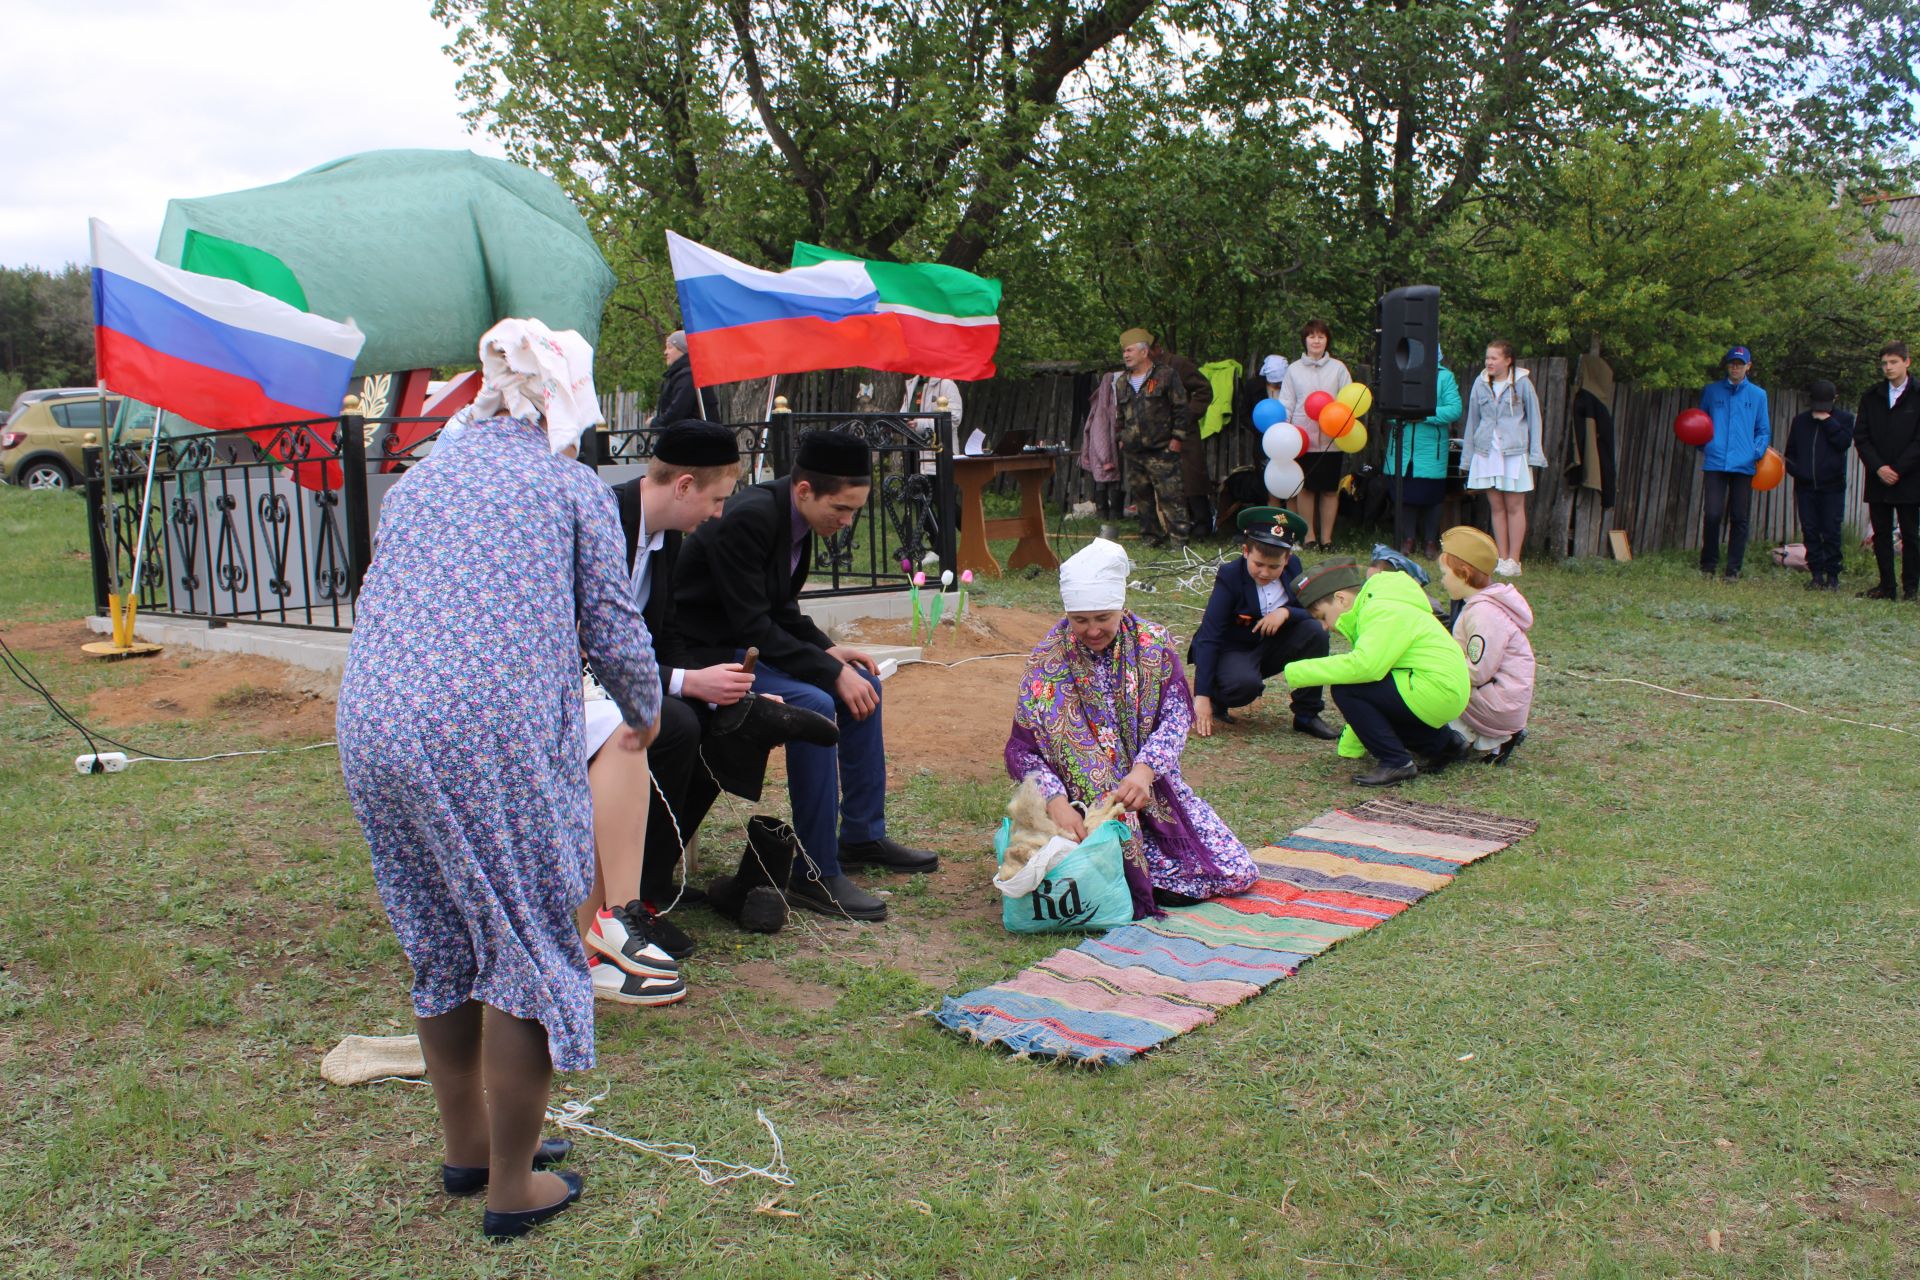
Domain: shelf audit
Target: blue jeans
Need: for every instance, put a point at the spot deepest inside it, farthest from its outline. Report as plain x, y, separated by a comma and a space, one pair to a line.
838, 793
1385, 725
1727, 496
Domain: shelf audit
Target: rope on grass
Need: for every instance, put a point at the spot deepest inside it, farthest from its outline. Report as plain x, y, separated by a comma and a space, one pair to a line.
572, 1116
1751, 701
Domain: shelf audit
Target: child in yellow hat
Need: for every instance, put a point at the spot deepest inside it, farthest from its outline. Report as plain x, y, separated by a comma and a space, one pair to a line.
1492, 630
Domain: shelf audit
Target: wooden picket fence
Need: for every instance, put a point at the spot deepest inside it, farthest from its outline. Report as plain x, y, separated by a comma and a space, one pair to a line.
1657, 491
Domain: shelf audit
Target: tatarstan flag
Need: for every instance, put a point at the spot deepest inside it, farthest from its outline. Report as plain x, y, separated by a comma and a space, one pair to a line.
948, 318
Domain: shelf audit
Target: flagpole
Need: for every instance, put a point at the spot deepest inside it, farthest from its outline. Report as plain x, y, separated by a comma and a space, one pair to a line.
140, 541
113, 601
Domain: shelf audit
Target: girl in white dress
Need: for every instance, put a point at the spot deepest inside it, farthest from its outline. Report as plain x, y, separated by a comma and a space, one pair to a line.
1502, 444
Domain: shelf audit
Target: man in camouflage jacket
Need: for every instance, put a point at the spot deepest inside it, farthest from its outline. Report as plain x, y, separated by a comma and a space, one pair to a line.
1151, 408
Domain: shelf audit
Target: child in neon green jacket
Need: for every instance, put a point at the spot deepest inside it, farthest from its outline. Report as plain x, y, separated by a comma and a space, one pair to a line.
1402, 683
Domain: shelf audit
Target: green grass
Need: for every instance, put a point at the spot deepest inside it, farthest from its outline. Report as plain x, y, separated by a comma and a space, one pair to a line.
1688, 1001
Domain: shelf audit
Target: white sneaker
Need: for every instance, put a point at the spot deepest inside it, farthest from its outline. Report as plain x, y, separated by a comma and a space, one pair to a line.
611, 982
621, 938
1504, 568
1514, 572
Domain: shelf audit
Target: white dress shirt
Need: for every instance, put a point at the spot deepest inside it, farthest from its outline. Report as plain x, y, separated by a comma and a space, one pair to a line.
642, 580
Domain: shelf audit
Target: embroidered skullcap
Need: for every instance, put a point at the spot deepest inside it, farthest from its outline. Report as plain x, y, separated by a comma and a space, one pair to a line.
1338, 575
529, 371
1094, 578
835, 453
1274, 369
697, 444
1132, 336
1470, 546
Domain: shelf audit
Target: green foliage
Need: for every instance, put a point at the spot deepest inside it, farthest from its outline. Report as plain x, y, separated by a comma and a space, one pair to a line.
46, 329
1669, 243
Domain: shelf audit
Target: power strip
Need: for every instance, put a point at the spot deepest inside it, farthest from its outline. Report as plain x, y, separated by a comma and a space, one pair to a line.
105, 762
887, 667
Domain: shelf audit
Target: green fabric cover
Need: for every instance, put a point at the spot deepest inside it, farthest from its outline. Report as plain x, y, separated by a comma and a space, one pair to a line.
1392, 629
1223, 376
423, 250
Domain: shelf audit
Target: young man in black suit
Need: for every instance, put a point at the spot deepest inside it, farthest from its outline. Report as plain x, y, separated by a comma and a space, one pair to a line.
1253, 627
738, 585
1886, 434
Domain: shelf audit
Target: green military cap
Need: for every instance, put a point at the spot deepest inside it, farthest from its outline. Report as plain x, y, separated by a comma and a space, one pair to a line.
1271, 526
1337, 575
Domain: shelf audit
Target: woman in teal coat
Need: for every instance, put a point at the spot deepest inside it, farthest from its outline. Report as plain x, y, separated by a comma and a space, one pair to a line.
1417, 465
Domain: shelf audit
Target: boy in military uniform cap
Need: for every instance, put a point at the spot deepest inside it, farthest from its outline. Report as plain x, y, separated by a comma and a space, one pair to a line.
1254, 626
1404, 680
1151, 409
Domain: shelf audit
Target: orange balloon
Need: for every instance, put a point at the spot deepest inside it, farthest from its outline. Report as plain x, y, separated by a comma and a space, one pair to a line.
1335, 419
1769, 471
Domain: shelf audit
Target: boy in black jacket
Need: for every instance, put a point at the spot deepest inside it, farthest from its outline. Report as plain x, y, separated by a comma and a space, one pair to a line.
1253, 627
1817, 445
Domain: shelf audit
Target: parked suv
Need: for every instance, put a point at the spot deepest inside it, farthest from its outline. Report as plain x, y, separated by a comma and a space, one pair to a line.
41, 441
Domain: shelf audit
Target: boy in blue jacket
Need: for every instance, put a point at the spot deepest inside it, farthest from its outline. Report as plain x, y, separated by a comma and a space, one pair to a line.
1254, 626
1817, 445
1741, 433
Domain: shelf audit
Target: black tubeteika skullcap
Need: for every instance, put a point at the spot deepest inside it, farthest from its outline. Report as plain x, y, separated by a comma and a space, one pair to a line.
697, 444
835, 453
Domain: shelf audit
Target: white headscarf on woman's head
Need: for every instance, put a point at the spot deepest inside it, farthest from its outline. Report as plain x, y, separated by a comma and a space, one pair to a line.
1094, 578
529, 371
1274, 369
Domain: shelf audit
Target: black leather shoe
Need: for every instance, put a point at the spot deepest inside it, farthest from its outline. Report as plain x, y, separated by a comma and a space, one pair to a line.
835, 896
1454, 752
1385, 775
1881, 592
1315, 727
513, 1223
890, 854
1505, 753
1168, 898
465, 1180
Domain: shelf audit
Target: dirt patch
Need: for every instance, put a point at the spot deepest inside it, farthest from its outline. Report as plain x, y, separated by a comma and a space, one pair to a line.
266, 698
953, 719
767, 978
47, 637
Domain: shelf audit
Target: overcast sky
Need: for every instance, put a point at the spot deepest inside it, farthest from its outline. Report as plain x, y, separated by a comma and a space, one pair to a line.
110, 108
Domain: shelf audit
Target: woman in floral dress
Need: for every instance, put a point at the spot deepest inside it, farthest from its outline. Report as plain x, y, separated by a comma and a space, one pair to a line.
1104, 710
499, 559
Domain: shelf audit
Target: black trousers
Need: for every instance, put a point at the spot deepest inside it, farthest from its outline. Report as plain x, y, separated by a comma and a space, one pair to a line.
1884, 515
1820, 512
1387, 729
1242, 673
1409, 519
1729, 496
688, 791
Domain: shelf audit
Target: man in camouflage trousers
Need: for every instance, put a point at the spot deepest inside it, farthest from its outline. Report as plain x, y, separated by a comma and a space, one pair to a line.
1151, 409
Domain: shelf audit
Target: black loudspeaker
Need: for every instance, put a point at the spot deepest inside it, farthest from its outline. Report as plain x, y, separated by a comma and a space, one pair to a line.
1409, 352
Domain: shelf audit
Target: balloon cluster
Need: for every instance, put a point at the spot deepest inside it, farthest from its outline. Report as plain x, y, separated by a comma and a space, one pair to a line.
1338, 416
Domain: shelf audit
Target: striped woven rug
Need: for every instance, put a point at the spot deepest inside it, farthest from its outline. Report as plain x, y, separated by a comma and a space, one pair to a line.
1113, 998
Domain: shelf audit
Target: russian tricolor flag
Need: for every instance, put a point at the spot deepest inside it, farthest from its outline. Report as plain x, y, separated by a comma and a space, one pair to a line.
213, 351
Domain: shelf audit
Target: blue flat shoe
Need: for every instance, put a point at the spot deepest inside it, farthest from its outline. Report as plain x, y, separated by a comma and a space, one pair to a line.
466, 1180
515, 1223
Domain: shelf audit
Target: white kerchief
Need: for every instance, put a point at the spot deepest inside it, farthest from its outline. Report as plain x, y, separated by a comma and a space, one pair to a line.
1274, 369
1094, 579
529, 371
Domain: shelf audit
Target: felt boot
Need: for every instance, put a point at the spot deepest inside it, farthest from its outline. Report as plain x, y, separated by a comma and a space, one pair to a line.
736, 744
754, 896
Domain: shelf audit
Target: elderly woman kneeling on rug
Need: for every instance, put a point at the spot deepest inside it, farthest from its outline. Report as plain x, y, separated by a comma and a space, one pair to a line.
1104, 711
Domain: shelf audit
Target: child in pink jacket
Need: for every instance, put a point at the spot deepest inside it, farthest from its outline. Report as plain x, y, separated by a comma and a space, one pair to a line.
1492, 631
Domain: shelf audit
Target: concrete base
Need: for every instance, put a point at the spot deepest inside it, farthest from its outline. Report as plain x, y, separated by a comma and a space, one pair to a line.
325, 652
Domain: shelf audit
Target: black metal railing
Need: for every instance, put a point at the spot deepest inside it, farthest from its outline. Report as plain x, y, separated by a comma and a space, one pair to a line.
233, 535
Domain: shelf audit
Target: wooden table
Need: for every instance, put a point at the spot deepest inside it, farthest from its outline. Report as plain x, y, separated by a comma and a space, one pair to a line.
971, 475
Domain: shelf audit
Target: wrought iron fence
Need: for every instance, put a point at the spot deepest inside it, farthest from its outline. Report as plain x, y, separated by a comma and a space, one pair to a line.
234, 535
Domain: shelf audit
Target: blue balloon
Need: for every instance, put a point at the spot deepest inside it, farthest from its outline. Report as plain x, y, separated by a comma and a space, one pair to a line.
1267, 413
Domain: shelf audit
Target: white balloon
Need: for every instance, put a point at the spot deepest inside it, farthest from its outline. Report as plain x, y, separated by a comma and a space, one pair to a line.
1284, 478
1282, 442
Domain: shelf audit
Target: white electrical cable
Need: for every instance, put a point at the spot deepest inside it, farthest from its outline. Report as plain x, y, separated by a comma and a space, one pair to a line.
1751, 701
226, 755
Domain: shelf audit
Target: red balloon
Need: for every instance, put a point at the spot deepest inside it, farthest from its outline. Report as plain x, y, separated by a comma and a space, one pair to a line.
1769, 471
1315, 403
1693, 426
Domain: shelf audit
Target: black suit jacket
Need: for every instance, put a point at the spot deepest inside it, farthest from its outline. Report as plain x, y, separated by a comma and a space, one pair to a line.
1232, 610
1889, 436
661, 615
735, 588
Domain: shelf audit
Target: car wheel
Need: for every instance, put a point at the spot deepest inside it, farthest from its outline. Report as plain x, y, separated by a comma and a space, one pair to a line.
44, 474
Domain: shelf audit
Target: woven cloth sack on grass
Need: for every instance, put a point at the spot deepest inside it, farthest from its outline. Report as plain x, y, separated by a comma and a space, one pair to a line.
359, 1059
